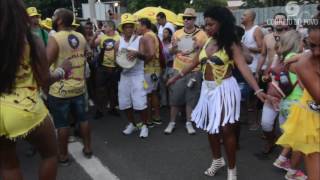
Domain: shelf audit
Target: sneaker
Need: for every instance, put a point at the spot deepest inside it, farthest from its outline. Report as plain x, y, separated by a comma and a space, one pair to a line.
232, 174
190, 128
139, 125
150, 125
144, 132
157, 121
285, 165
129, 129
215, 166
64, 163
170, 128
297, 175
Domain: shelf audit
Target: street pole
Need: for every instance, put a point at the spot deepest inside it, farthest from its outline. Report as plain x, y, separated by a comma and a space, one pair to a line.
92, 9
73, 8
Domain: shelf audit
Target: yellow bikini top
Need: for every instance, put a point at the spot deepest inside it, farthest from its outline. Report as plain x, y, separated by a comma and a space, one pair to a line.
219, 62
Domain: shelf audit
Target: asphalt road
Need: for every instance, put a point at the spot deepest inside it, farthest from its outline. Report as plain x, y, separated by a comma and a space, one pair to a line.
160, 157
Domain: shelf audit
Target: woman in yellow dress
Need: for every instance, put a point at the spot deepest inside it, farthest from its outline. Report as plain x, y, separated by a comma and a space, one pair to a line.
302, 128
23, 70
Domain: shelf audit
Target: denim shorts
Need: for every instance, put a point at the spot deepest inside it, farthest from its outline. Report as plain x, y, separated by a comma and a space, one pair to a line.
60, 108
245, 90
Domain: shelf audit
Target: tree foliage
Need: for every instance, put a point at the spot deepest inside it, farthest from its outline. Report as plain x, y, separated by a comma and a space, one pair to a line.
177, 6
47, 7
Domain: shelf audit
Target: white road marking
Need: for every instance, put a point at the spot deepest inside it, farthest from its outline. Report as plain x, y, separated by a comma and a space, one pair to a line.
93, 167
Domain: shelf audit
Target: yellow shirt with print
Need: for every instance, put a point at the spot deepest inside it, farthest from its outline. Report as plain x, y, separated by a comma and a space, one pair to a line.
181, 61
153, 66
71, 48
107, 43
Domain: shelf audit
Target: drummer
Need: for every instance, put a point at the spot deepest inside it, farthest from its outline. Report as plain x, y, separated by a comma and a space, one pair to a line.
107, 74
131, 92
185, 92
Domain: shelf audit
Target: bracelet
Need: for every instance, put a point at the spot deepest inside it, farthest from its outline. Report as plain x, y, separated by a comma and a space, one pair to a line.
258, 91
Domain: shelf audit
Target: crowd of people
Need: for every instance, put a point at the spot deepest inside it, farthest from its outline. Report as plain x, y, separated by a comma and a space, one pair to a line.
53, 70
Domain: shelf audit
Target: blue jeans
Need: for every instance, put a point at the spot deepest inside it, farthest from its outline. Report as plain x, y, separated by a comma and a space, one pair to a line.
60, 109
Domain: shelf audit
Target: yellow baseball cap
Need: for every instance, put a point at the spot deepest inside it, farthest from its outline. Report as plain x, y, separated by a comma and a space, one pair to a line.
127, 18
47, 23
32, 11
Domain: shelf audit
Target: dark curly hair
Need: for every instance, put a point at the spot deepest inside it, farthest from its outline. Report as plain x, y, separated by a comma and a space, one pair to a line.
226, 36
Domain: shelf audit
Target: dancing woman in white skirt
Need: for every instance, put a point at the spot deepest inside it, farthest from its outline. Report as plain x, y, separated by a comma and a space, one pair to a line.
218, 108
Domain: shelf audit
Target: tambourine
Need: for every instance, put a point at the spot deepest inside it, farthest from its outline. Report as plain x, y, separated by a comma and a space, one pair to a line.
186, 44
122, 59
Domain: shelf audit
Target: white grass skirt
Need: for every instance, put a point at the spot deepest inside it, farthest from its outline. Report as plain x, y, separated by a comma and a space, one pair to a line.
218, 105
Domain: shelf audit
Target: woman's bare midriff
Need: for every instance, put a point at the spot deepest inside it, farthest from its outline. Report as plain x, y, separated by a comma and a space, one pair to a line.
208, 75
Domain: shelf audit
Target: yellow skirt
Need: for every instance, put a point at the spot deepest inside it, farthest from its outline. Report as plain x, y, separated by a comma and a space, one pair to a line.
302, 128
17, 122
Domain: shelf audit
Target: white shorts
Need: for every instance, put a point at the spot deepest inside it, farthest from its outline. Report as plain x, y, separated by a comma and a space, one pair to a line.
151, 85
131, 93
268, 117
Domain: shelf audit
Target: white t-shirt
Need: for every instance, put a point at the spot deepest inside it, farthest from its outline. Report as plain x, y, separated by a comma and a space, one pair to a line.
161, 28
134, 43
249, 41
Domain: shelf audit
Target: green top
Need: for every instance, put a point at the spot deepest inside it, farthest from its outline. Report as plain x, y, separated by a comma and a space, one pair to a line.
297, 91
42, 34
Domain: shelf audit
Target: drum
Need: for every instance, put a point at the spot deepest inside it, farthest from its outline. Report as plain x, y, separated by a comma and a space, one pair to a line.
185, 44
122, 59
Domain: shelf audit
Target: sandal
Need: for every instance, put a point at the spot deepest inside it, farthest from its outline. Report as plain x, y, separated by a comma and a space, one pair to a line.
88, 155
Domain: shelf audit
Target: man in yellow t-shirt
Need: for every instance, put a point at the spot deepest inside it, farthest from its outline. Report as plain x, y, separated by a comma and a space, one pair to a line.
186, 91
67, 95
107, 75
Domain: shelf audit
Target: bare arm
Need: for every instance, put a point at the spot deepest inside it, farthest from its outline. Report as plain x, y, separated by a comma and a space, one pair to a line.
186, 70
258, 36
95, 41
246, 54
309, 78
52, 50
245, 71
149, 48
263, 56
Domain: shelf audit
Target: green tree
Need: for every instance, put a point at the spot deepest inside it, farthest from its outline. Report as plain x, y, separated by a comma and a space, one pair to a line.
177, 6
47, 7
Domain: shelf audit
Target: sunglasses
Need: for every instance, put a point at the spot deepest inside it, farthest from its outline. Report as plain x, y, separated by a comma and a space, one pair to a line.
188, 18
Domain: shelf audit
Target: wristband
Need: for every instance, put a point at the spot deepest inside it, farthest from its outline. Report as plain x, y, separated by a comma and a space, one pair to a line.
59, 73
258, 91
